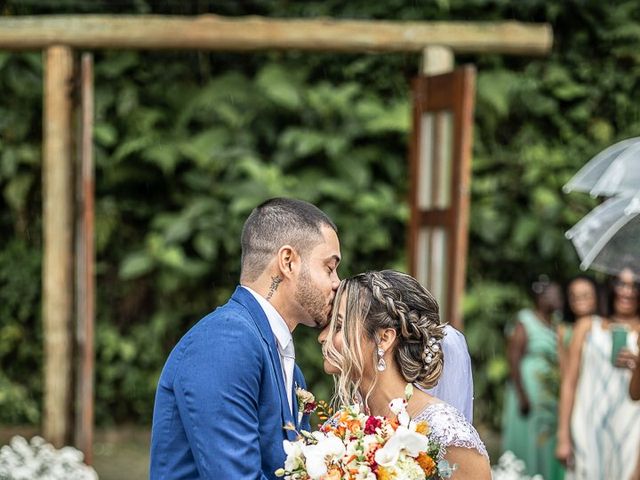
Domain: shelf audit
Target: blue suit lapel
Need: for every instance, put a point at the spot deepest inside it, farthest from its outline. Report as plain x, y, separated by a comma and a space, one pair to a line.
244, 297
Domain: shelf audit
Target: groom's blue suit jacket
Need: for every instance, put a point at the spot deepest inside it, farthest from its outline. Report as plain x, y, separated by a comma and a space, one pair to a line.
220, 405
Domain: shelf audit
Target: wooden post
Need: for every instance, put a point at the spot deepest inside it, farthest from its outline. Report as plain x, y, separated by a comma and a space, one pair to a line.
57, 301
85, 259
437, 59
440, 165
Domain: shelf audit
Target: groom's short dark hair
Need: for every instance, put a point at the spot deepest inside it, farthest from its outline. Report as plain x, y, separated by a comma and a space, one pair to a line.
278, 222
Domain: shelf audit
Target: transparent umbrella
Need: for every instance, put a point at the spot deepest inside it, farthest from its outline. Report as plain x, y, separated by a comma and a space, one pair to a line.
614, 171
607, 239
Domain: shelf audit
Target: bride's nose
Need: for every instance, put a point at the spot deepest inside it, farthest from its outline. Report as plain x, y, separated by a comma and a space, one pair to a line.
322, 336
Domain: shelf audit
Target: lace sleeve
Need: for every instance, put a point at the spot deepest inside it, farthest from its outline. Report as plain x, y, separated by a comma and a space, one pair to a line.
450, 429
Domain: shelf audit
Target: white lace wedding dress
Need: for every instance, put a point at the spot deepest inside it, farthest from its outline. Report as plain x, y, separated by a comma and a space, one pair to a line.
449, 428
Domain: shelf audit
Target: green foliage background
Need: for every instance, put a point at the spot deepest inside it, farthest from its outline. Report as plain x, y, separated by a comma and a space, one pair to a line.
187, 143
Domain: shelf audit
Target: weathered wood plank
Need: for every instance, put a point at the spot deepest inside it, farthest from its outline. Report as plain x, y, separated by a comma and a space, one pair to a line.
210, 32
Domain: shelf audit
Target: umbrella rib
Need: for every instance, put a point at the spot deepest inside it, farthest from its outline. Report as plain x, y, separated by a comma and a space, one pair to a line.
611, 231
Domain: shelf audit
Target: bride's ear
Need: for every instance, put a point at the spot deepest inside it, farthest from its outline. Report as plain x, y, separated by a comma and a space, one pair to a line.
386, 338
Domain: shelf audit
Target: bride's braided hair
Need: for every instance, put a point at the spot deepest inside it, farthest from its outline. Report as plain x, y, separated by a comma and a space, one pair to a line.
380, 300
403, 304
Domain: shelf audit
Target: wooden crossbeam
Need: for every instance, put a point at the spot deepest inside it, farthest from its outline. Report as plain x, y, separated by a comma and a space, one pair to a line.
210, 32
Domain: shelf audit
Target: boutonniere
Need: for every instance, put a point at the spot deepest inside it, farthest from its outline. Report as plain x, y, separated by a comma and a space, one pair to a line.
306, 402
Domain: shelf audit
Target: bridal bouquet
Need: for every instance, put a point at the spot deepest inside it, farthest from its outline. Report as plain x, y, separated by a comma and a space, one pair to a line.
355, 446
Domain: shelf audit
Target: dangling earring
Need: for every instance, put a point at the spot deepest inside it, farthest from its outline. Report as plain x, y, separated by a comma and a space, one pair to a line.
382, 365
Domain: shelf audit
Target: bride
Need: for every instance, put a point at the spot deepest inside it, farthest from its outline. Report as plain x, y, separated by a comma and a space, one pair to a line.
385, 333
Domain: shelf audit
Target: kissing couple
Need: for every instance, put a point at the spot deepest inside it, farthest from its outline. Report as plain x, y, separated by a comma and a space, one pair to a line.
229, 385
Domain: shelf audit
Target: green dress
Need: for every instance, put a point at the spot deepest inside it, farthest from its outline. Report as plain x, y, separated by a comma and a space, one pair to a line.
533, 438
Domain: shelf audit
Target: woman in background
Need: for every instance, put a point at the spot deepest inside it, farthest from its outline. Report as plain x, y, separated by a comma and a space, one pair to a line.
598, 422
634, 393
581, 301
529, 419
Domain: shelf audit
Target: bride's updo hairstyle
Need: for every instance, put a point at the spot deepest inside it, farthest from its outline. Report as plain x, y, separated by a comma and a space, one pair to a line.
382, 300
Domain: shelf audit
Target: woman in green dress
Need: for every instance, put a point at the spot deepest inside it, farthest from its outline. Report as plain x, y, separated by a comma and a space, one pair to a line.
530, 412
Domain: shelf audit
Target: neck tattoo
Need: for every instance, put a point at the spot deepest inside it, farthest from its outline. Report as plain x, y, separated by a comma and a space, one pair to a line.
275, 282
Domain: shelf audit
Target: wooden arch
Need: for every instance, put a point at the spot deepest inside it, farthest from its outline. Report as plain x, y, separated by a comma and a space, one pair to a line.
68, 291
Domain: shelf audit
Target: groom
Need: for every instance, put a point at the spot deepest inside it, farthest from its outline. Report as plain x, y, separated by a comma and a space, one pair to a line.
228, 387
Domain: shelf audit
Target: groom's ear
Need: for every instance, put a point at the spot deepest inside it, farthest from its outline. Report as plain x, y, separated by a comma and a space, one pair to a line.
287, 260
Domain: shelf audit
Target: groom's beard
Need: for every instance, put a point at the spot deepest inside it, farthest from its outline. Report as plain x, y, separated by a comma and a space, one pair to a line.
311, 299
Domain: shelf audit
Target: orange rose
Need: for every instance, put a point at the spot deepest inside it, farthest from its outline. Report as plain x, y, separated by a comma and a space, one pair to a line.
426, 463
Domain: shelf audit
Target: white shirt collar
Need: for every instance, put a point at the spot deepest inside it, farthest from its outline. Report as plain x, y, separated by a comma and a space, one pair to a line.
278, 325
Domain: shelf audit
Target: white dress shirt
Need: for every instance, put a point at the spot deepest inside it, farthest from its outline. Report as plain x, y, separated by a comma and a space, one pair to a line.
284, 342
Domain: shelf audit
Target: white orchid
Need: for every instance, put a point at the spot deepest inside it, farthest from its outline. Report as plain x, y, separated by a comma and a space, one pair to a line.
398, 405
293, 450
328, 449
404, 419
399, 408
403, 440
